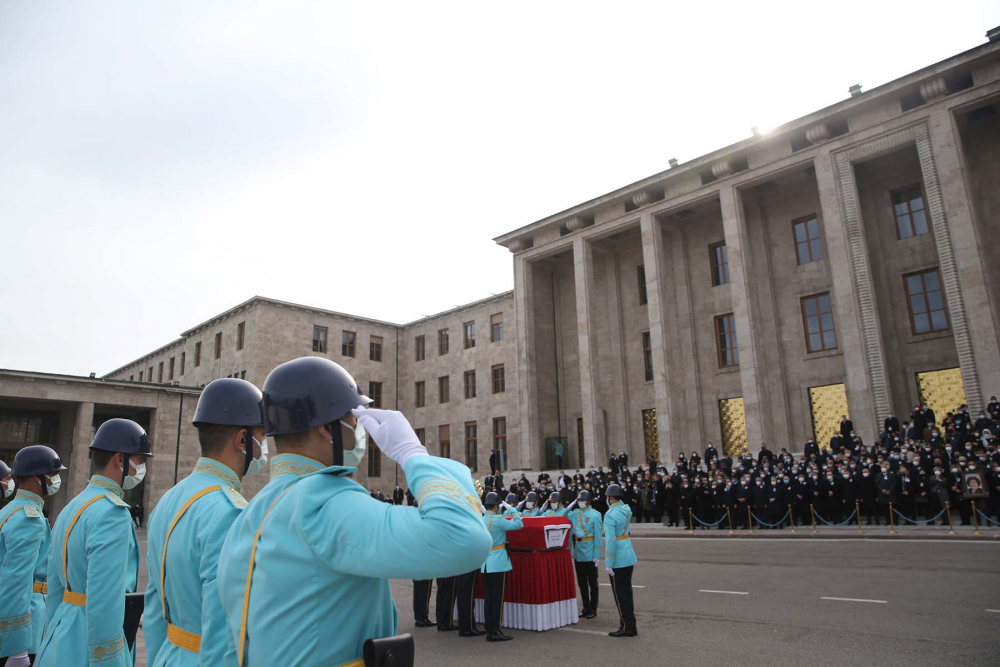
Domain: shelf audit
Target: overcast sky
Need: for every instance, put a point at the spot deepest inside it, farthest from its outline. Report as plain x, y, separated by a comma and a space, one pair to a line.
162, 162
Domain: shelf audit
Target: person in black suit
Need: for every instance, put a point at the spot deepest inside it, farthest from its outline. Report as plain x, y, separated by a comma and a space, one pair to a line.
846, 426
759, 495
710, 454
886, 486
865, 485
891, 424
493, 462
398, 495
422, 603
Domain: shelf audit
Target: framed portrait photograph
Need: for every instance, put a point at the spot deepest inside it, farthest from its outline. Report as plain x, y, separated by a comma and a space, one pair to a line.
974, 485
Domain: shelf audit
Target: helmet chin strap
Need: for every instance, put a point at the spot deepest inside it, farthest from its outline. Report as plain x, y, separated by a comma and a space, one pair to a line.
337, 441
125, 465
248, 451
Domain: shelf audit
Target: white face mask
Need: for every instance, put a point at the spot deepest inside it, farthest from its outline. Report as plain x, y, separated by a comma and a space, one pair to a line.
52, 485
530, 505
352, 457
8, 488
132, 481
583, 504
256, 465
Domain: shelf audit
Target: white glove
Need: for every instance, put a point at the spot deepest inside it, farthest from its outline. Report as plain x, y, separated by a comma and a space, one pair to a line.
19, 660
571, 506
521, 504
542, 508
596, 560
392, 433
505, 506
610, 570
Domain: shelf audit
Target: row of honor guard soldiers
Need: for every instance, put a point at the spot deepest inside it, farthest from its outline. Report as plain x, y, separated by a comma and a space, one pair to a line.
299, 575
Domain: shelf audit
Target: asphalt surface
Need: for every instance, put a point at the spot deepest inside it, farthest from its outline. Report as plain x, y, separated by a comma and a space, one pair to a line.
905, 603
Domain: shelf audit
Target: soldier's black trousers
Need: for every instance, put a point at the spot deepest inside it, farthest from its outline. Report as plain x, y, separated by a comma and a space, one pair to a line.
465, 589
586, 576
444, 603
422, 599
621, 585
493, 584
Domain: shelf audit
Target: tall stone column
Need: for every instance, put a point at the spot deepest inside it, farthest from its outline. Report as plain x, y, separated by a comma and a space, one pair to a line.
738, 252
657, 276
970, 307
594, 445
79, 460
860, 398
530, 454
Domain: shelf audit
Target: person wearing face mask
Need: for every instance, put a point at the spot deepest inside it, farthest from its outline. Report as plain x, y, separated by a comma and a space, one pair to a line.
304, 573
184, 623
587, 532
6, 482
620, 560
24, 552
94, 559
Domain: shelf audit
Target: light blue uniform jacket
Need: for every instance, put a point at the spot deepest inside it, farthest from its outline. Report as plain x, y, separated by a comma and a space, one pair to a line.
498, 525
618, 551
587, 533
190, 585
327, 549
102, 561
24, 552
560, 511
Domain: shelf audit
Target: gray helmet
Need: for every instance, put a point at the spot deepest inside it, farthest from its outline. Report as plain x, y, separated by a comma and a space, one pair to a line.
123, 436
532, 497
511, 499
492, 500
614, 491
4, 470
554, 498
584, 495
229, 402
35, 460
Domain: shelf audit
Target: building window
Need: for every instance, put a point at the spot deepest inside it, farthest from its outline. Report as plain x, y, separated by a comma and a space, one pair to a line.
347, 339
443, 342
725, 340
183, 359
421, 397
375, 348
374, 460
470, 384
197, 354
150, 374
243, 375
908, 207
140, 376
641, 270
496, 328
500, 434
926, 302
817, 315
444, 439
240, 329
499, 379
647, 355
421, 438
218, 345
131, 378
808, 246
471, 447
444, 390
375, 393
469, 331
319, 339
719, 258
171, 369
418, 346
159, 374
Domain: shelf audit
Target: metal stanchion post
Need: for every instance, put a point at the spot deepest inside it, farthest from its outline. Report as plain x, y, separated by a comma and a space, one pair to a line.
791, 518
892, 526
690, 521
975, 519
750, 520
951, 527
812, 512
729, 515
857, 511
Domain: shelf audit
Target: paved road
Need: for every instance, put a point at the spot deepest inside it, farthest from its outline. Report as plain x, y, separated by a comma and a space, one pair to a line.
934, 598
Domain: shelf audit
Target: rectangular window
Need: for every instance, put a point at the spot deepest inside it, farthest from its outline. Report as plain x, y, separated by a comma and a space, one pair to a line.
243, 375
500, 433
183, 359
908, 208
719, 258
469, 330
319, 339
421, 397
140, 376
499, 379
817, 315
647, 355
444, 390
150, 374
347, 339
375, 393
160, 373
808, 247
171, 371
421, 438
444, 438
218, 345
642, 284
725, 339
470, 384
132, 377
418, 346
496, 327
925, 299
374, 460
443, 342
375, 348
240, 329
197, 354
471, 447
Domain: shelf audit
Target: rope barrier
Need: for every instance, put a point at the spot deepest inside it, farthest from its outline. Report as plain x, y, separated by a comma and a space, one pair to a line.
995, 523
708, 525
836, 525
916, 521
781, 521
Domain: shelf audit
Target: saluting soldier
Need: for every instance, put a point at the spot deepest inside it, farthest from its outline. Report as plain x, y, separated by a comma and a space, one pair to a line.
6, 482
531, 505
497, 565
587, 533
94, 560
304, 574
184, 623
620, 560
24, 553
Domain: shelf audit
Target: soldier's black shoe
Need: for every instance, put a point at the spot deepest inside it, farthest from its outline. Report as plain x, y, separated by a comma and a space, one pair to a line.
583, 614
622, 633
499, 637
424, 623
472, 633
592, 614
